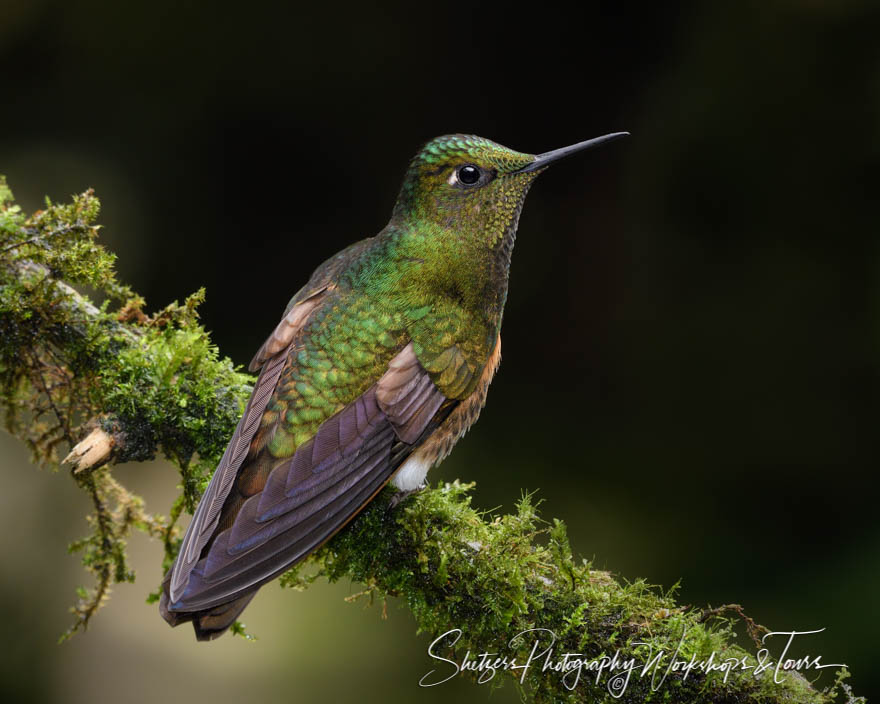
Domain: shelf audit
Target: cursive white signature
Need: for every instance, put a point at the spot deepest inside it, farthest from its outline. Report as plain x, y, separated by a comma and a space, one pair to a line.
616, 670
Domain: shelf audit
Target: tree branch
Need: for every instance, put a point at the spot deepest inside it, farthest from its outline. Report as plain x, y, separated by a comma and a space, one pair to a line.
146, 385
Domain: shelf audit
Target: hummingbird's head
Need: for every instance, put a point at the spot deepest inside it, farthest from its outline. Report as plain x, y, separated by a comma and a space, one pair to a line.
466, 182
474, 185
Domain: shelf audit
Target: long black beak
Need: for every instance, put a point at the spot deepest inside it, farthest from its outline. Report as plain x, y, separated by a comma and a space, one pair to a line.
543, 160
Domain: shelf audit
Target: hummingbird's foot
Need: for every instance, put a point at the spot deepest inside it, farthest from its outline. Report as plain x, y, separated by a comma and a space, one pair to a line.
402, 494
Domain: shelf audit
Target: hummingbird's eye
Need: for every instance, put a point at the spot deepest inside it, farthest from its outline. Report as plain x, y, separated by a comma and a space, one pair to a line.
469, 174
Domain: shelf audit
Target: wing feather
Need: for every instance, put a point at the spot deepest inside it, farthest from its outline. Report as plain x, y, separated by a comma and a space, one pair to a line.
207, 515
270, 360
287, 329
327, 481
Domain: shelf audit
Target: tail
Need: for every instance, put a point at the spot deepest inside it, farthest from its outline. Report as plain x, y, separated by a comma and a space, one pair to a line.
210, 623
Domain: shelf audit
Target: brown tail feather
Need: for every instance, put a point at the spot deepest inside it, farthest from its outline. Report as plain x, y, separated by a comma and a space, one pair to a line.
210, 623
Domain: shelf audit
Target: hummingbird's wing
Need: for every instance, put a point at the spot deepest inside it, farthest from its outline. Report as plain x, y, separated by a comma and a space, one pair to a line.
270, 361
207, 514
307, 497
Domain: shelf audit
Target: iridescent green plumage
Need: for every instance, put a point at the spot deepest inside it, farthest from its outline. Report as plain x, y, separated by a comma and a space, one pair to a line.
380, 363
436, 275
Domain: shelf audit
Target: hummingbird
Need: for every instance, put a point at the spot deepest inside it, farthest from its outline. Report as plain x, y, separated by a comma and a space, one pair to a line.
379, 365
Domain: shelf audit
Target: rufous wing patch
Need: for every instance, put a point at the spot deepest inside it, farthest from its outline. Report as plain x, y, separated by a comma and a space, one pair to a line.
408, 396
288, 328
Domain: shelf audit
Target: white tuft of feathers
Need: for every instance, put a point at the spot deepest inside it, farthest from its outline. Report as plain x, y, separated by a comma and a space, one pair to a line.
411, 475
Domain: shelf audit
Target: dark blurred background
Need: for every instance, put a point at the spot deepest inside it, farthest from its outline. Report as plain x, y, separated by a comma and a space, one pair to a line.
691, 364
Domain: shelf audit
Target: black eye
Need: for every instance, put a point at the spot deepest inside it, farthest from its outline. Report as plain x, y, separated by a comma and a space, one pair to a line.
468, 174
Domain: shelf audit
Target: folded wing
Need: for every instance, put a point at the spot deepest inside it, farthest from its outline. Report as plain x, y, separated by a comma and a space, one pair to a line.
308, 497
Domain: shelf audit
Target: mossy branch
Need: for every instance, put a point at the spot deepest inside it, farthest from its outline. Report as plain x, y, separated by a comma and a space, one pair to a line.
149, 384
144, 385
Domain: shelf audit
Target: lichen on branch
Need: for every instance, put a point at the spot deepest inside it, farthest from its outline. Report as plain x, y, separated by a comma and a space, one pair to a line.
155, 384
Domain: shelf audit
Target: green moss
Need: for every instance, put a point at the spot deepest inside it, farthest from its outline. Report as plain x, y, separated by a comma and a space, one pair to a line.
495, 576
157, 384
172, 392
